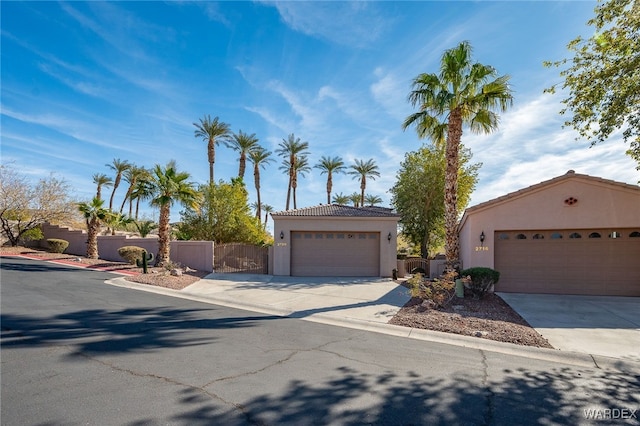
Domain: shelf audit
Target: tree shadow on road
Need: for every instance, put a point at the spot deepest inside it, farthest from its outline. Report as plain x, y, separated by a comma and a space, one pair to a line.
348, 397
101, 331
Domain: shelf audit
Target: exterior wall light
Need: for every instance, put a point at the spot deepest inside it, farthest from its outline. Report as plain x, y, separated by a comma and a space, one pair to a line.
481, 237
389, 237
281, 235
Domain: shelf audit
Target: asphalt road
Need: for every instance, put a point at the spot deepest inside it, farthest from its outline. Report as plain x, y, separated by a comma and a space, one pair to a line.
77, 351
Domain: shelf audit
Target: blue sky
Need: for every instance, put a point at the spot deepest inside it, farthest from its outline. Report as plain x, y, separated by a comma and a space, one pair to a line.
84, 83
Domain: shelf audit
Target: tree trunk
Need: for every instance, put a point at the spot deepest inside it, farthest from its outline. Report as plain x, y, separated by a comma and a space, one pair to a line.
454, 134
164, 235
256, 180
329, 186
211, 153
241, 168
363, 185
93, 227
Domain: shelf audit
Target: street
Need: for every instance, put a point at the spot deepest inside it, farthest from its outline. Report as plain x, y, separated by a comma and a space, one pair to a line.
78, 351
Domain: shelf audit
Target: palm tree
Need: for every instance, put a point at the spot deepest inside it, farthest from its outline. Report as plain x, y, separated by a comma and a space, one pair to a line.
118, 221
363, 170
300, 169
145, 227
267, 209
372, 200
131, 176
290, 149
260, 157
119, 167
141, 191
168, 187
101, 180
330, 166
341, 199
244, 144
355, 199
94, 214
463, 93
212, 131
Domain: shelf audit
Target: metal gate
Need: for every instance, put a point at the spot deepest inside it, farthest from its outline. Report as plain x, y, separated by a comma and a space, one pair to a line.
240, 258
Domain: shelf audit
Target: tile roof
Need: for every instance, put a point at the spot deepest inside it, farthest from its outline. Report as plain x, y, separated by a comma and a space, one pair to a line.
338, 210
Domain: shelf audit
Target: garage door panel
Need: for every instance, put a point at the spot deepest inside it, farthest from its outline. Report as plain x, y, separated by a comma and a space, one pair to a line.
335, 253
594, 266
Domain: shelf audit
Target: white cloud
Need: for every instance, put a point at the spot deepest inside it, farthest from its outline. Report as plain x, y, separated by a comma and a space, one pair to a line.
348, 23
391, 92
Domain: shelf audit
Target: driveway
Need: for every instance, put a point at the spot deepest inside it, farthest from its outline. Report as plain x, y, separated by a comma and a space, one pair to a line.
598, 325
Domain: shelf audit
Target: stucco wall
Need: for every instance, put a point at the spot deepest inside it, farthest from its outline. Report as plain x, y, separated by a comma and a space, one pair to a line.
599, 205
194, 254
384, 225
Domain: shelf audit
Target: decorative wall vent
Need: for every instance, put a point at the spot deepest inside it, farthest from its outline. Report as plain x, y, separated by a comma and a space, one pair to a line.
570, 201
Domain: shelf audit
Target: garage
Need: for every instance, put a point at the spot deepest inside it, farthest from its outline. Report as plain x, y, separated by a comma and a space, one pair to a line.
588, 262
335, 240
343, 254
572, 234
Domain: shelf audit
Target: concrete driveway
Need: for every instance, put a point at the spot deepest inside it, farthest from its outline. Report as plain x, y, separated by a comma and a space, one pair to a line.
598, 325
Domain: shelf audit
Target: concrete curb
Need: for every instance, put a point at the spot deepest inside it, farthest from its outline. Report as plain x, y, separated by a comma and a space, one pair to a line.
571, 358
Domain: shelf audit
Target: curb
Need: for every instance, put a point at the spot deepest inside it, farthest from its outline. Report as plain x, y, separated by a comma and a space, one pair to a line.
553, 355
73, 264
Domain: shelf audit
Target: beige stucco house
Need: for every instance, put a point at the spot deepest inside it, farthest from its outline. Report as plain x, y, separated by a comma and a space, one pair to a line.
335, 240
573, 234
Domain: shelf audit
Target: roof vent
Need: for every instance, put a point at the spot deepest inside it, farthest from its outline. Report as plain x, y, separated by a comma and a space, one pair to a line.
570, 172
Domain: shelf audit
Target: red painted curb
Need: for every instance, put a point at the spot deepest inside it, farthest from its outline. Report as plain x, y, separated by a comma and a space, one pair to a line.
72, 263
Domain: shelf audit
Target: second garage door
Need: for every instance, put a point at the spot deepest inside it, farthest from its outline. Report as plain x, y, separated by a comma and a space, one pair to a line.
339, 254
592, 262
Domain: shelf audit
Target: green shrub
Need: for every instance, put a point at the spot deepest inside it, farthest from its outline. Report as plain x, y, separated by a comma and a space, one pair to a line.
131, 253
57, 245
481, 280
439, 292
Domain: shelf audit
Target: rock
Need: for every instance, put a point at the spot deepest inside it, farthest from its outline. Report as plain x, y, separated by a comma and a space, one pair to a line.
481, 333
176, 272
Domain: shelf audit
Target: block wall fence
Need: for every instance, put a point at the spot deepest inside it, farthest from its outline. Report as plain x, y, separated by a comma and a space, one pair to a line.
194, 254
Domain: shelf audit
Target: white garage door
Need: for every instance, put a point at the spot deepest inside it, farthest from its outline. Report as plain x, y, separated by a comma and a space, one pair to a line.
338, 254
593, 262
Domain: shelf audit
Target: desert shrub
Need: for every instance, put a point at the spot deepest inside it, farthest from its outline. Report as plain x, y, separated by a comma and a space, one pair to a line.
57, 245
131, 253
480, 280
439, 292
32, 234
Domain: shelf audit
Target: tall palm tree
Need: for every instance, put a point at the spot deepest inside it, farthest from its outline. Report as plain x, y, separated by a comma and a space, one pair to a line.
330, 166
141, 191
290, 149
212, 131
94, 214
118, 166
131, 176
341, 199
260, 157
170, 186
464, 93
267, 209
300, 169
363, 170
244, 144
101, 180
372, 200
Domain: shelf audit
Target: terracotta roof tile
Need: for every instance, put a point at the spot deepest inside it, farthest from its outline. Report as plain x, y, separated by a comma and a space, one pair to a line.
338, 210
